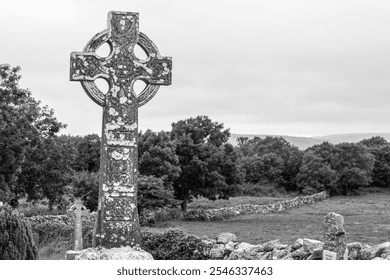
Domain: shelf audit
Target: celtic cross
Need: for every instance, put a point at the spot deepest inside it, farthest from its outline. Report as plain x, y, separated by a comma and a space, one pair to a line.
117, 221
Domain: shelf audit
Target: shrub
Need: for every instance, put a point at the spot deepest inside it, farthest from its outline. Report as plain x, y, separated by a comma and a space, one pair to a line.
16, 239
173, 244
152, 194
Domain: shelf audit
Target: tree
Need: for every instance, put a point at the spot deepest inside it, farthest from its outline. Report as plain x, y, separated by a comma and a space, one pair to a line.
25, 126
380, 148
316, 175
157, 156
275, 160
207, 162
354, 167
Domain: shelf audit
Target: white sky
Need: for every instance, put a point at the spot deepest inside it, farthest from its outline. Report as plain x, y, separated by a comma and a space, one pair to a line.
286, 67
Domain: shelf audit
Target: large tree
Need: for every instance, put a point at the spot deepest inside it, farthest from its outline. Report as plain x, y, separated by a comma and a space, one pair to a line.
207, 161
27, 129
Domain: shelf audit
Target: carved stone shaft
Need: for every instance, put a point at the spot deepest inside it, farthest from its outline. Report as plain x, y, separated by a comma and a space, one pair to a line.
334, 235
117, 222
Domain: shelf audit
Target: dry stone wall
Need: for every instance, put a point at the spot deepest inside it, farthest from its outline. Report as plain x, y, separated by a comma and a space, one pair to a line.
246, 209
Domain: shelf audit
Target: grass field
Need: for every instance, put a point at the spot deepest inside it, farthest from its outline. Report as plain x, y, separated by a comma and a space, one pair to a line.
367, 220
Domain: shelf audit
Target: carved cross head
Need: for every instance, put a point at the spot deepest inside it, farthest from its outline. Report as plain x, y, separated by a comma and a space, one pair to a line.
121, 68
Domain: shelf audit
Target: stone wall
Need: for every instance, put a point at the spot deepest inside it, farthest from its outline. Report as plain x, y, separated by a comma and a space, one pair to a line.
246, 209
225, 247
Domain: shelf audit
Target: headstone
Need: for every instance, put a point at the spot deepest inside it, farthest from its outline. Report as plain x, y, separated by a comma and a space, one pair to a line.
117, 221
334, 236
329, 255
78, 210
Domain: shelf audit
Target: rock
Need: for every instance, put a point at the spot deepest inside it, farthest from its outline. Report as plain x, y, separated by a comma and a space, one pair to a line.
353, 250
297, 244
386, 253
226, 237
270, 245
300, 254
217, 252
368, 253
121, 253
265, 256
279, 254
378, 259
288, 257
229, 246
246, 251
310, 245
334, 235
316, 255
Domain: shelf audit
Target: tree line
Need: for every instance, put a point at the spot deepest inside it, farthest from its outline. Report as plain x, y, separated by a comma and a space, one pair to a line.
193, 159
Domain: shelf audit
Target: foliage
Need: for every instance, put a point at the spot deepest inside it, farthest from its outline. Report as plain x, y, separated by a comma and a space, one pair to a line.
86, 187
26, 143
16, 239
270, 160
172, 244
152, 194
316, 175
380, 148
339, 169
207, 162
157, 156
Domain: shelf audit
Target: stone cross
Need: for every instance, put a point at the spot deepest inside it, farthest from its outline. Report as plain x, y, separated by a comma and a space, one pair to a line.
334, 236
117, 221
79, 210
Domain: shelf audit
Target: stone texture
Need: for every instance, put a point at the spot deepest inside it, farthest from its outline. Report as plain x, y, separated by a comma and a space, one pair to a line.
300, 254
246, 251
217, 252
270, 245
297, 244
316, 255
334, 235
280, 254
386, 253
370, 252
310, 245
244, 209
353, 250
117, 222
226, 237
122, 253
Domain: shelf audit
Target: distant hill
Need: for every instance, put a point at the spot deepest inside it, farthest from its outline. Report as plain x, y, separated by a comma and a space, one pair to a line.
305, 142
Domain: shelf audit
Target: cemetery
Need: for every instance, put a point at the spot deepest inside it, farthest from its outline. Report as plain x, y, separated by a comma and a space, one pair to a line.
115, 188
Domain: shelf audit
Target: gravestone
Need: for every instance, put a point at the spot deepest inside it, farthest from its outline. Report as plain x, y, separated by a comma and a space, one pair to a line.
117, 221
79, 210
335, 246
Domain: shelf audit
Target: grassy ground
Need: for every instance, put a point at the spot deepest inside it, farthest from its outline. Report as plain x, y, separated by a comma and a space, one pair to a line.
367, 220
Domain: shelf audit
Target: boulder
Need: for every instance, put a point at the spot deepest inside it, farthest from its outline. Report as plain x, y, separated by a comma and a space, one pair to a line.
353, 250
121, 253
246, 251
297, 244
370, 252
310, 245
300, 254
270, 245
217, 252
226, 237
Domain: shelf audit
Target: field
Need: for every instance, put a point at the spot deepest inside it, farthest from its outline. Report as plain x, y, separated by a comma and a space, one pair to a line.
367, 220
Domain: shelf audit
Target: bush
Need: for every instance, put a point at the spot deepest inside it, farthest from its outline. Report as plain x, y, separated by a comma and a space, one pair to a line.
16, 239
152, 194
173, 244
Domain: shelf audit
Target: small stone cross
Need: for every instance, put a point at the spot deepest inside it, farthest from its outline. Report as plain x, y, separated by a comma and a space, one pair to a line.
117, 221
79, 211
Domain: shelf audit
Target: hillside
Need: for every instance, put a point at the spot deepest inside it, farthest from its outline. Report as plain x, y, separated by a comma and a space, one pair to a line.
305, 142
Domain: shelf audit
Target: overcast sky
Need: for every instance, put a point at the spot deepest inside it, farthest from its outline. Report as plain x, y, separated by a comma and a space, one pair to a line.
301, 67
